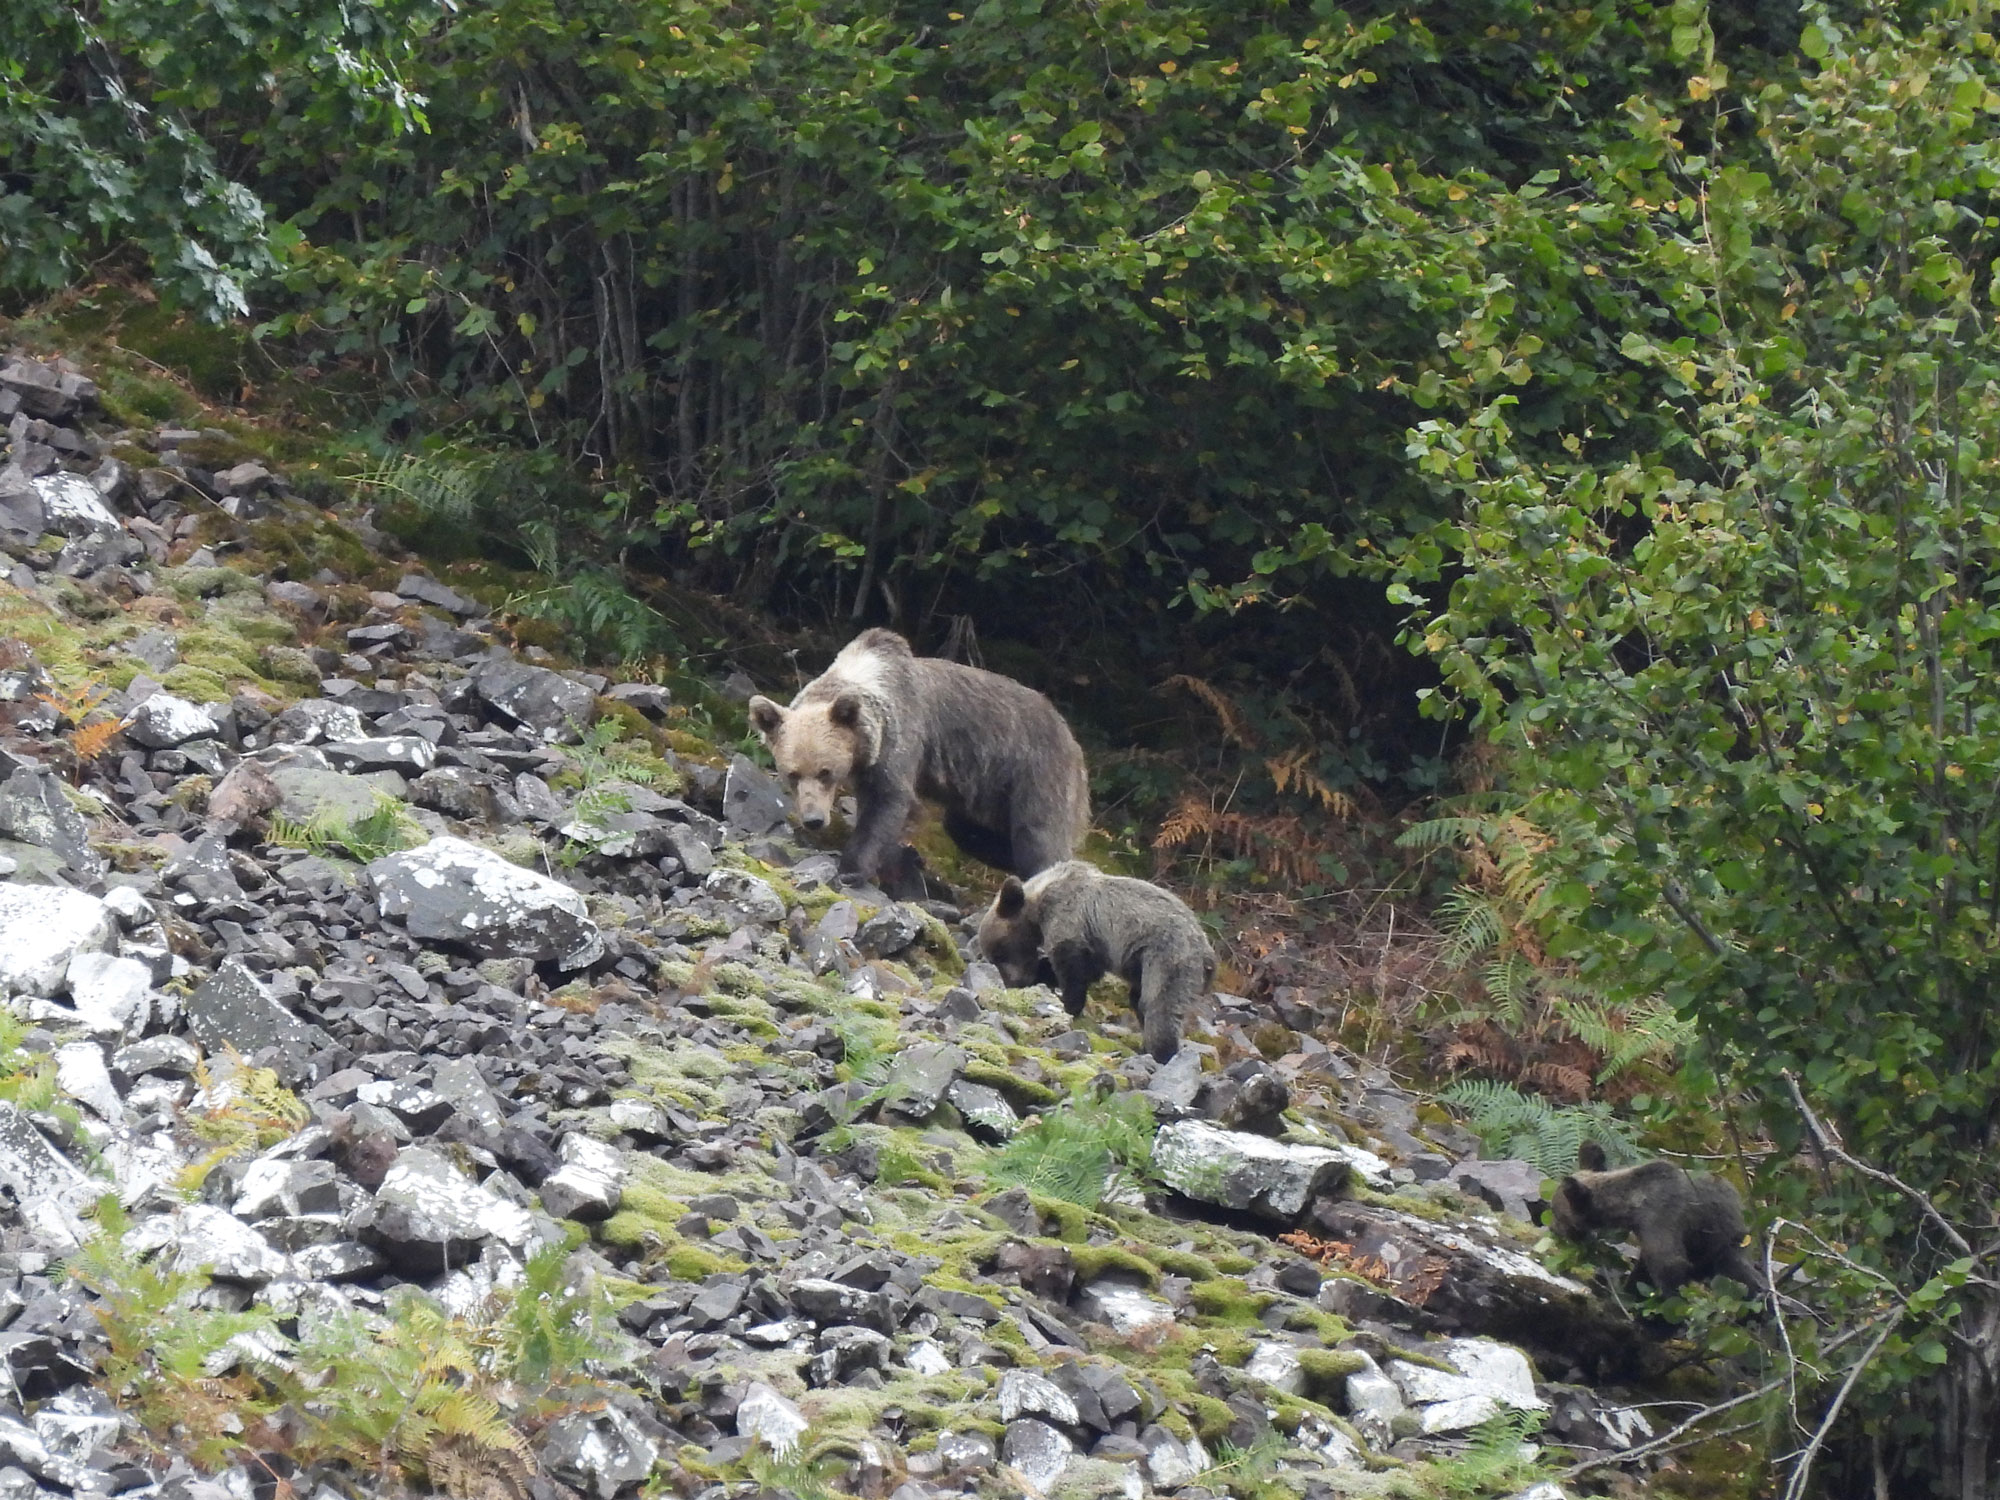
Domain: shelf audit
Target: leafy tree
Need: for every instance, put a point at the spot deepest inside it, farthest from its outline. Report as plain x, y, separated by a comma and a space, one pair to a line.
1754, 669
101, 155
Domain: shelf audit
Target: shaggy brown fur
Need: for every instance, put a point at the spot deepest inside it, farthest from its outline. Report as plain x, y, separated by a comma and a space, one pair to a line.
994, 755
1689, 1228
1071, 924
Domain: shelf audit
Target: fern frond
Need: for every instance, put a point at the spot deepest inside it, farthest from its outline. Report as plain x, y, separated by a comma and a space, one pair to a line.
1235, 727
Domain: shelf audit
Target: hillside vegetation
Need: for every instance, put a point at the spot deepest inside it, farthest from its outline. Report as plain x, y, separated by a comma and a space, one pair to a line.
1559, 438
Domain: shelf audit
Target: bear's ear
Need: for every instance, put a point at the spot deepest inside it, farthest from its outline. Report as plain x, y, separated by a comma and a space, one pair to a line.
846, 711
1575, 1195
1013, 899
1590, 1157
766, 717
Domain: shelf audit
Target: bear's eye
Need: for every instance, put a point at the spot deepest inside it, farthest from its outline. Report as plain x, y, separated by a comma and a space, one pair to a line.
826, 778
791, 778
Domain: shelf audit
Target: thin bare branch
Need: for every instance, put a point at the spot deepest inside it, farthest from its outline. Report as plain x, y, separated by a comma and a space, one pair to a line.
1823, 1140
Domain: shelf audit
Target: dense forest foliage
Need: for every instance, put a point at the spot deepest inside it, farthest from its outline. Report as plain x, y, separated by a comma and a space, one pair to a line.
1636, 363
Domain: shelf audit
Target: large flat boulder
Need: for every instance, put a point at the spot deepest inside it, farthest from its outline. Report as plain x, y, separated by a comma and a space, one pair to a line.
451, 891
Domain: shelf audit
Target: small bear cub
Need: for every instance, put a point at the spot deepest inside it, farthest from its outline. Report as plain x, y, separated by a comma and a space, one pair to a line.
1072, 924
1689, 1228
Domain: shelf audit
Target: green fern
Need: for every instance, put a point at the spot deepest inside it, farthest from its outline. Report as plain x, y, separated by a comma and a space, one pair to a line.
1510, 1123
1071, 1152
1495, 1462
385, 830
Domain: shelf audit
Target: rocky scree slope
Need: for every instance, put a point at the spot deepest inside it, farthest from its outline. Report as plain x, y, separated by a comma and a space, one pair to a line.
425, 1076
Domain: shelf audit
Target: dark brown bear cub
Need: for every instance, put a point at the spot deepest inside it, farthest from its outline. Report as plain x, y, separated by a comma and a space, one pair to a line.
994, 755
1689, 1228
1071, 924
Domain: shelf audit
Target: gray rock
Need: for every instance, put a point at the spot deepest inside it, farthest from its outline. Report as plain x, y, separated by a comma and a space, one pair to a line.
752, 803
590, 1183
1124, 1308
649, 698
1023, 1393
459, 1081
602, 1451
203, 870
427, 1215
244, 479
453, 891
429, 591
1491, 1378
755, 898
164, 721
1246, 1173
1513, 1188
72, 506
199, 1237
1374, 1401
35, 810
986, 1111
171, 1056
82, 1075
545, 701
244, 794
317, 719
918, 1078
827, 1302
405, 754
691, 849
306, 794
890, 931
272, 1186
456, 792
1169, 1462
234, 1008
1277, 1365
769, 1418
1037, 1452
48, 1188
42, 930
155, 650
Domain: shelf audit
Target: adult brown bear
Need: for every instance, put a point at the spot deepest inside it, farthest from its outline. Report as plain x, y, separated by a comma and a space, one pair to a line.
995, 756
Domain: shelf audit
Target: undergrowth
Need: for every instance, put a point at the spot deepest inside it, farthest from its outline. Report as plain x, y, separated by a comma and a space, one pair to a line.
1073, 1152
416, 1393
385, 830
1510, 1123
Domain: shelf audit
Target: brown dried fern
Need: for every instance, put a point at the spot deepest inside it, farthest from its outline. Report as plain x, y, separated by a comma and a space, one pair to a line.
1235, 728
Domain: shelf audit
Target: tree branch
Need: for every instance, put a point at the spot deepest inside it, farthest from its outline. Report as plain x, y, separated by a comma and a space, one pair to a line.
1823, 1141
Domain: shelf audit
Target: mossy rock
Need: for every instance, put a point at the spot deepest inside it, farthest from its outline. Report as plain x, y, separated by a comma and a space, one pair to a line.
196, 684
1326, 1372
302, 542
1020, 1092
1229, 1302
191, 584
1093, 1261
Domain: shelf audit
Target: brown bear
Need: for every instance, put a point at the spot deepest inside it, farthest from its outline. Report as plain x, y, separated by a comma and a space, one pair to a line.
1072, 924
995, 756
1689, 1228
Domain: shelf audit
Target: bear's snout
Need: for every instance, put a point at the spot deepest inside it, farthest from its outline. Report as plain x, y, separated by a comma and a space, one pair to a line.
813, 821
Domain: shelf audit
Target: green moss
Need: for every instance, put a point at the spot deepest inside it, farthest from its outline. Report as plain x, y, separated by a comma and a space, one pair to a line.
1230, 1264
302, 542
1326, 1370
191, 584
1019, 1091
1092, 1261
1185, 1263
690, 1262
1227, 1300
196, 684
1072, 1221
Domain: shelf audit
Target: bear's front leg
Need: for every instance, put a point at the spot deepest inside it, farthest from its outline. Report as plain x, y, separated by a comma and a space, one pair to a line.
1075, 972
875, 849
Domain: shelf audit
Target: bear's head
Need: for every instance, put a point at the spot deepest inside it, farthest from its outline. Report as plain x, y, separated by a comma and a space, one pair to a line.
1011, 937
817, 748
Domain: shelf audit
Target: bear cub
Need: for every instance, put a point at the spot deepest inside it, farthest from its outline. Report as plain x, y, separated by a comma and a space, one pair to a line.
994, 755
1072, 924
1689, 1228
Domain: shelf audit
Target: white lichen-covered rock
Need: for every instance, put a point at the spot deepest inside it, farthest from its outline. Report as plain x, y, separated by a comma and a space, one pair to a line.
199, 1237
47, 1187
1023, 1393
1248, 1173
1126, 1308
755, 897
164, 721
72, 506
1491, 1378
453, 891
589, 1184
769, 1418
1277, 1365
42, 929
1037, 1452
81, 1074
1374, 1401
602, 1451
111, 994
427, 1214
